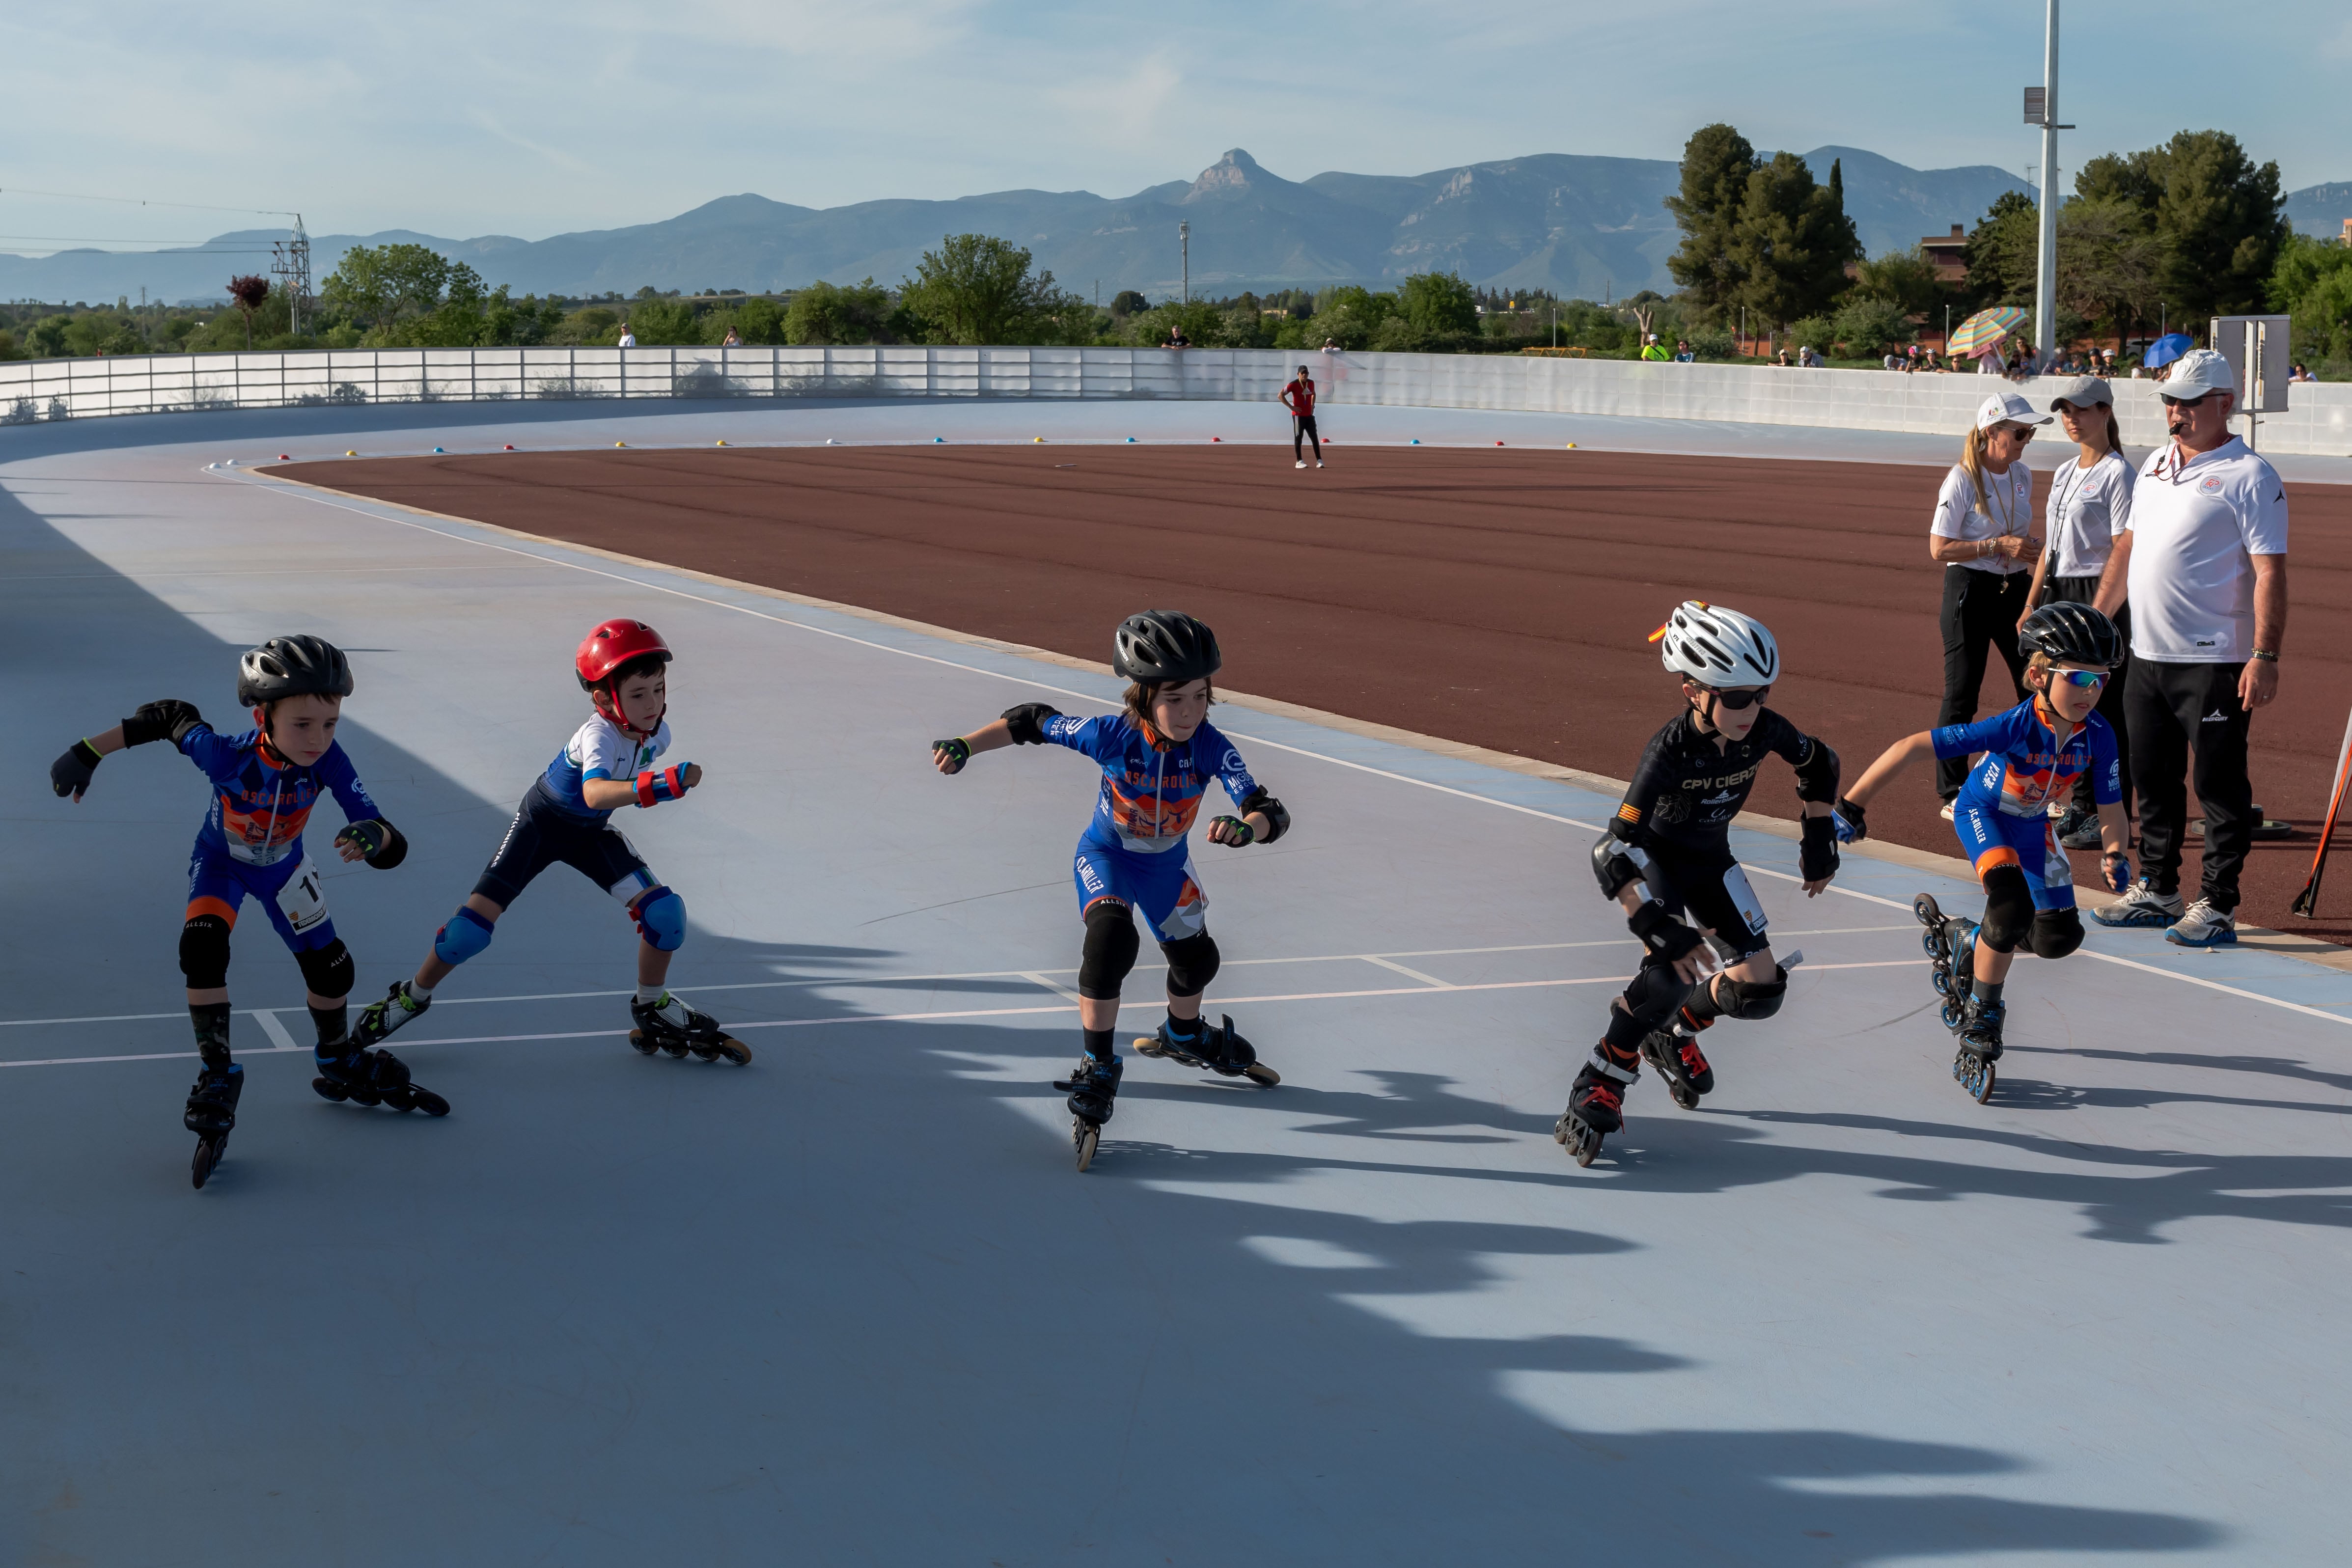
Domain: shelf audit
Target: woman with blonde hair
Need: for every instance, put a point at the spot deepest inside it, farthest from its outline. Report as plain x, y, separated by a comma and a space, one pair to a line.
1983, 535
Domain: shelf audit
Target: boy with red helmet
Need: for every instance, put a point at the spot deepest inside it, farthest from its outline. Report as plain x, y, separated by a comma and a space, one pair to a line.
608, 763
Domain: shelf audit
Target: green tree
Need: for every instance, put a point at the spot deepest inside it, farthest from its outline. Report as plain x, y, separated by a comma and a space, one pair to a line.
828, 313
2136, 179
2313, 283
1906, 278
2003, 251
663, 320
2110, 262
1716, 162
1792, 241
2223, 221
1128, 302
976, 288
381, 286
1437, 304
1868, 326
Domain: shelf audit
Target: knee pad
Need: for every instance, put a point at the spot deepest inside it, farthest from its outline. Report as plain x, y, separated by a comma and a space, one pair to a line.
1110, 952
661, 920
465, 935
1192, 964
2008, 909
329, 970
1754, 999
2056, 932
1654, 994
204, 952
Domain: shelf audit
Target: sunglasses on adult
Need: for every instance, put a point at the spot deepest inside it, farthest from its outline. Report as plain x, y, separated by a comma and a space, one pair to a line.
2197, 401
2014, 432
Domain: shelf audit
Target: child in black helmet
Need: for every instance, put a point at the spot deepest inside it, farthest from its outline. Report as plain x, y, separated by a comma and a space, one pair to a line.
1667, 853
1158, 759
265, 783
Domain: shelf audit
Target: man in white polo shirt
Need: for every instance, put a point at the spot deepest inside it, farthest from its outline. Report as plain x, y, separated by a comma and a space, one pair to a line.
2204, 565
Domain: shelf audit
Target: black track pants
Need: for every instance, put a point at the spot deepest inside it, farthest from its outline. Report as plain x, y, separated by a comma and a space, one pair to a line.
1302, 430
2174, 709
1981, 610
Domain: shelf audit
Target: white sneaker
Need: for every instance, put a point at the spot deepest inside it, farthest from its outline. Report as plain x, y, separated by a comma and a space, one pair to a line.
1946, 812
1300, 464
2143, 905
2204, 926
1318, 463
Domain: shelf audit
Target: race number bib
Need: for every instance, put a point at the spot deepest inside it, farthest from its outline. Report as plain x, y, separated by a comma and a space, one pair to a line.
303, 899
1743, 898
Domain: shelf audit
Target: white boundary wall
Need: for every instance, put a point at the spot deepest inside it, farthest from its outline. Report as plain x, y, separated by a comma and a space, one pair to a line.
2319, 420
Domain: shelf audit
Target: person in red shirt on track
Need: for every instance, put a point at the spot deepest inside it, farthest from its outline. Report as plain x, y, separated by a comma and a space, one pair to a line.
1299, 397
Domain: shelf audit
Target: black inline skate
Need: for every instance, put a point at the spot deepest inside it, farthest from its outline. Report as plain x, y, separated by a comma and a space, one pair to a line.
1596, 1104
1950, 941
212, 1114
670, 1025
1216, 1049
1093, 1089
1980, 1037
1673, 1051
374, 1078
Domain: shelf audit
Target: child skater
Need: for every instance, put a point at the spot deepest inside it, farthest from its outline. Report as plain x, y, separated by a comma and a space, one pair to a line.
2033, 754
265, 783
607, 764
1668, 854
1157, 759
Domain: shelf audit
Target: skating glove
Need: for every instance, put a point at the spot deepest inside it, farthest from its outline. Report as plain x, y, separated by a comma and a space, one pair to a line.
1661, 932
1816, 855
954, 750
382, 845
169, 719
1852, 829
71, 774
1231, 831
2117, 865
655, 786
1027, 722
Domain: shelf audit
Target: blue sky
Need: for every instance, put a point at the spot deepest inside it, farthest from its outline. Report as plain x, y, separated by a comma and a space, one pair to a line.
501, 116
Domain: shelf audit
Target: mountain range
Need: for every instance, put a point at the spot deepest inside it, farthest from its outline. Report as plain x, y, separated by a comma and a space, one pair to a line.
1581, 226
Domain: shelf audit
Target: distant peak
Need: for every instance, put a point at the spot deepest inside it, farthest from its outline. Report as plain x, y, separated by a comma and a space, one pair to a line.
1230, 173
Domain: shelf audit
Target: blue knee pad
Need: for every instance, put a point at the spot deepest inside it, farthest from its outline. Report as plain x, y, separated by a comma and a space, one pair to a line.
465, 935
661, 920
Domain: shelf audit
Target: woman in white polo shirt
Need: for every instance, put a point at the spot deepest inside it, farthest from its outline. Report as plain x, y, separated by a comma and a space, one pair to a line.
1983, 533
2088, 509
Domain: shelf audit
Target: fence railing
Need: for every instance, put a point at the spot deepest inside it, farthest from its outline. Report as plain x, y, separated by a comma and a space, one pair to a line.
2319, 421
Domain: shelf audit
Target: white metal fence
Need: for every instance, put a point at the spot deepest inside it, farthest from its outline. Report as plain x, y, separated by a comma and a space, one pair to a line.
2318, 421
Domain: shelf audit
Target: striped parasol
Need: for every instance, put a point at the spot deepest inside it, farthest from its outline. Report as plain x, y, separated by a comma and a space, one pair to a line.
1979, 332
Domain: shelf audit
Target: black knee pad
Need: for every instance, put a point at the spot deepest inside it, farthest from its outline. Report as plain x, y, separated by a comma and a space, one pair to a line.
204, 952
1653, 994
1192, 964
1753, 1000
329, 970
1110, 952
2008, 909
2056, 932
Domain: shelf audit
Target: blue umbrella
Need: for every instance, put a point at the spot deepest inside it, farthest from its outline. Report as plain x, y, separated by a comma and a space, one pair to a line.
2166, 348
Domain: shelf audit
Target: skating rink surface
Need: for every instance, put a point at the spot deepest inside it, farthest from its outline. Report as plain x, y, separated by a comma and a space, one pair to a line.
851, 1305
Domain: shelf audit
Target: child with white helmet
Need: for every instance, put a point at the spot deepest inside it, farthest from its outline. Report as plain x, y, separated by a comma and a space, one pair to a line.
1667, 855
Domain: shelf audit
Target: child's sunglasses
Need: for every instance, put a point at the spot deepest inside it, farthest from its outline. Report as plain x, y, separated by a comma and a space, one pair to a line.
1736, 701
2085, 679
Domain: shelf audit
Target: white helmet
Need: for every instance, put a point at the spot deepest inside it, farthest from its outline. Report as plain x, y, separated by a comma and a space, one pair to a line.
1717, 647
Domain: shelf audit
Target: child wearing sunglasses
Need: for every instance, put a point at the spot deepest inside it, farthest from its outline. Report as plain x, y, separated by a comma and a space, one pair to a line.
2032, 755
1667, 853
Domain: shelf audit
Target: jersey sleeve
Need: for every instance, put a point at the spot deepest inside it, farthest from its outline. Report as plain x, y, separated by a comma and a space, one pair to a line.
1651, 778
336, 772
2000, 733
1232, 771
2106, 768
1104, 737
219, 757
1816, 765
604, 752
2261, 521
2119, 498
1953, 504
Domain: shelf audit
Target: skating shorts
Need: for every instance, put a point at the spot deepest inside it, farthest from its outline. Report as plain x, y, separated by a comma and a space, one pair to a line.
1712, 888
543, 833
1994, 839
291, 891
1161, 887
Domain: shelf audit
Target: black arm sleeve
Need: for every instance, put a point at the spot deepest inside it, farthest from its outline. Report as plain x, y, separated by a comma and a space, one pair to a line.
1816, 765
1278, 819
169, 719
1653, 777
1024, 722
395, 849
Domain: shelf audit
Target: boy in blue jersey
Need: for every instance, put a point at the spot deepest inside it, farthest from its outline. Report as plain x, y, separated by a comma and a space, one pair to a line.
608, 763
1158, 759
265, 784
2032, 756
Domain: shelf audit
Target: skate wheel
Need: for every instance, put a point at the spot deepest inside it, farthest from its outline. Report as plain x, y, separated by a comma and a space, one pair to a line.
1086, 1136
734, 1050
403, 1099
1149, 1045
1259, 1073
367, 1097
638, 1042
1681, 1095
429, 1103
677, 1049
207, 1156
1927, 911
327, 1089
1982, 1087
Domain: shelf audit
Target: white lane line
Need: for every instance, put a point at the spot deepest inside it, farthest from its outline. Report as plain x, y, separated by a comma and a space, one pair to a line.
1412, 973
305, 493
278, 1036
1037, 978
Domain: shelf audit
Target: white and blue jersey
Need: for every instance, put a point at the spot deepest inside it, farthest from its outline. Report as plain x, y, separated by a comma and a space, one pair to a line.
600, 749
1137, 849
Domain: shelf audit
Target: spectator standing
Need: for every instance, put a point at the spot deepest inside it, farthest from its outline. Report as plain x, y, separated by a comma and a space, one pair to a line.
1653, 350
1684, 354
1176, 338
733, 340
2089, 507
2204, 567
628, 337
1781, 359
1299, 397
1983, 535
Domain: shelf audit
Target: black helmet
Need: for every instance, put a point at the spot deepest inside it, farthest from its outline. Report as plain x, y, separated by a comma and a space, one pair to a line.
2072, 634
1164, 646
292, 667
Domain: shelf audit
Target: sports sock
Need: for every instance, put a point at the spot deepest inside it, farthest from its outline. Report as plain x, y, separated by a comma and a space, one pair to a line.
417, 993
1989, 991
333, 1023
1184, 1028
649, 994
1097, 1043
211, 1022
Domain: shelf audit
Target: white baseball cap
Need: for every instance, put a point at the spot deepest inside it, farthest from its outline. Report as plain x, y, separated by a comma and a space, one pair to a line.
2007, 408
2197, 372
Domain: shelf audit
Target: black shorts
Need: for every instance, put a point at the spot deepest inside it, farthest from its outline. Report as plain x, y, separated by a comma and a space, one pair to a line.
543, 833
1708, 887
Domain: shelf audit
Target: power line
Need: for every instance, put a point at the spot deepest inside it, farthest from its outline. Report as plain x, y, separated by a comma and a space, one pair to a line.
141, 202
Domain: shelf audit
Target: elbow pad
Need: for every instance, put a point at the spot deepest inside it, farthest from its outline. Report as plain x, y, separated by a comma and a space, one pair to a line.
169, 719
655, 786
1817, 854
1817, 773
1618, 864
382, 845
1027, 722
1278, 819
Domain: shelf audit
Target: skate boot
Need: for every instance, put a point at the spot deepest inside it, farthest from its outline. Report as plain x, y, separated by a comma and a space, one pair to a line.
1596, 1104
1980, 1037
1218, 1049
379, 1021
1674, 1052
1951, 945
212, 1112
1093, 1089
670, 1025
374, 1078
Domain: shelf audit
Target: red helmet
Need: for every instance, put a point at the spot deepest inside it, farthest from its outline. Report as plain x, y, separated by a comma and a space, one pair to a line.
613, 644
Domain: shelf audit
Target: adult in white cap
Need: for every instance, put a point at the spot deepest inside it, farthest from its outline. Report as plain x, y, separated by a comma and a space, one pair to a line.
2204, 565
2088, 509
1983, 535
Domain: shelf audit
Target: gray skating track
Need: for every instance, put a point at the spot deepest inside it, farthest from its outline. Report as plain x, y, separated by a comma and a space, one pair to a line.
851, 1305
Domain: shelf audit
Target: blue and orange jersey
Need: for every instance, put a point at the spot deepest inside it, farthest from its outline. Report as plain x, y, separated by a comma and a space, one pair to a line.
2026, 765
1149, 797
260, 803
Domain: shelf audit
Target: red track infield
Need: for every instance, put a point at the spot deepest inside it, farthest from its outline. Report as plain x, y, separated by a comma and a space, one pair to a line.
1500, 598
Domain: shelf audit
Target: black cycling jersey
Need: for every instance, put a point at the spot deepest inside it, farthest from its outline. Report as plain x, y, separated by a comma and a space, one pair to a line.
1690, 785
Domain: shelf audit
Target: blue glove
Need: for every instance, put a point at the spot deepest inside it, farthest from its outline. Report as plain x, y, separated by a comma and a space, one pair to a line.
2117, 867
1846, 819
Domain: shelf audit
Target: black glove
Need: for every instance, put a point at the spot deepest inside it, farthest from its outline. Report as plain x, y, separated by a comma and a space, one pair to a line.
1661, 932
169, 719
380, 845
955, 751
70, 774
1850, 825
1027, 722
1816, 855
1231, 831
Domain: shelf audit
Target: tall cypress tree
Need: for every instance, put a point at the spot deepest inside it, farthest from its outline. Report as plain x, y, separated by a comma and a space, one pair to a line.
1716, 163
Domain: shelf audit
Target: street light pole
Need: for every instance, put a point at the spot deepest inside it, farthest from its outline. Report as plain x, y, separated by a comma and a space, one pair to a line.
2045, 270
1184, 247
